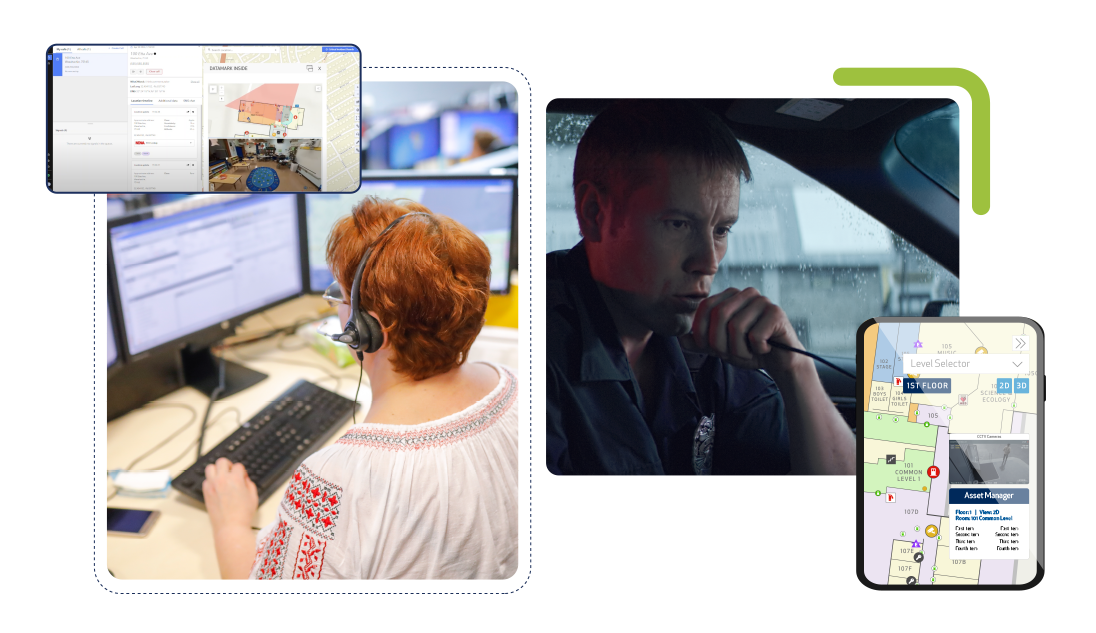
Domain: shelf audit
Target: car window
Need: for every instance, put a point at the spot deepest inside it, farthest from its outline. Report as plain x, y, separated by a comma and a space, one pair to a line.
931, 144
826, 262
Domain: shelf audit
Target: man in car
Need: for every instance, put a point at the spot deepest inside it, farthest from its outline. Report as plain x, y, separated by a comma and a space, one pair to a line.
647, 372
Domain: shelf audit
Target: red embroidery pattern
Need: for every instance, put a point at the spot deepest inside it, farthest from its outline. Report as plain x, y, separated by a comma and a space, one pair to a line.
435, 436
313, 502
309, 558
271, 556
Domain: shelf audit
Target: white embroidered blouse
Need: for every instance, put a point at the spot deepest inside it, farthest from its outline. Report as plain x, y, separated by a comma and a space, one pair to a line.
431, 500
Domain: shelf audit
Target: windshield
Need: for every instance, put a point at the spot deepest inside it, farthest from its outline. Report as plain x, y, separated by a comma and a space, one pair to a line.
931, 144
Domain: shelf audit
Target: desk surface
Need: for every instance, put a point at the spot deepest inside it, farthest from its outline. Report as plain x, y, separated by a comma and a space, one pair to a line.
180, 545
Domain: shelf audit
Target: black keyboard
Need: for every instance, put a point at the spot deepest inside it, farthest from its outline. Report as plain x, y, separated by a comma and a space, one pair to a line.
276, 440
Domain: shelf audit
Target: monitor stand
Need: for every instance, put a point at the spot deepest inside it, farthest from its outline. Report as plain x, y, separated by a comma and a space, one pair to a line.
200, 368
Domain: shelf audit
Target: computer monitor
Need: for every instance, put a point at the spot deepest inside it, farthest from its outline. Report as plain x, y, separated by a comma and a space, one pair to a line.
115, 358
485, 204
116, 208
185, 280
409, 144
459, 127
376, 155
163, 198
112, 346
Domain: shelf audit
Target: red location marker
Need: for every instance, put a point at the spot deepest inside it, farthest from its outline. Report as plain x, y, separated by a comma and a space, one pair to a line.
283, 133
933, 472
294, 116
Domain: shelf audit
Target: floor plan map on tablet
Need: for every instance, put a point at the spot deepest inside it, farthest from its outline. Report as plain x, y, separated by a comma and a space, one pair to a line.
950, 425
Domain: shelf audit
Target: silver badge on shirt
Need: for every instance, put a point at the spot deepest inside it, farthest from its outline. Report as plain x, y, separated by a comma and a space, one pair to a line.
702, 446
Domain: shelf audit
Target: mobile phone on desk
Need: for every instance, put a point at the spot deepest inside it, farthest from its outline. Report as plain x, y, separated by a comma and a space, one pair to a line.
127, 522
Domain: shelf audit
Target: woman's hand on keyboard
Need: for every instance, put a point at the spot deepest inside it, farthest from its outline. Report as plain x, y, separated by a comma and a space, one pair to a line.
230, 496
231, 500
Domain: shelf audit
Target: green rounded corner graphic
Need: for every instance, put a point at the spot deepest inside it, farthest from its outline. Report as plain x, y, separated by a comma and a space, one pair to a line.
979, 116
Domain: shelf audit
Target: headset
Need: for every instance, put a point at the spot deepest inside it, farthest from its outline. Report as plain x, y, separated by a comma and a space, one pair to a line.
362, 332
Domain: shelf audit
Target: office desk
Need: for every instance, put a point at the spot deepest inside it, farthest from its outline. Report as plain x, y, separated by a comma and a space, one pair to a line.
180, 545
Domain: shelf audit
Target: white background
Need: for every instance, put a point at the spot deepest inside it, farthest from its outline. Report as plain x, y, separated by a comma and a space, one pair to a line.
609, 553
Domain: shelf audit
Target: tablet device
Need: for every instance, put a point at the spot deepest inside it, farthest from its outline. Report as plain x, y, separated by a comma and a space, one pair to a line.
950, 453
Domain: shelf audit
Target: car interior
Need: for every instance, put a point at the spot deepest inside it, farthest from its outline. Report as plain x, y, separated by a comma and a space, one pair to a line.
857, 153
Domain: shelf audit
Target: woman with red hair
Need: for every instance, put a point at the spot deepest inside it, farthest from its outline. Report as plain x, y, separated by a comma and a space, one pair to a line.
425, 486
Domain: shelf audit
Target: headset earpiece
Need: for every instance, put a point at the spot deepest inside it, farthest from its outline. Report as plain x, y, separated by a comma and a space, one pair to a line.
362, 332
371, 334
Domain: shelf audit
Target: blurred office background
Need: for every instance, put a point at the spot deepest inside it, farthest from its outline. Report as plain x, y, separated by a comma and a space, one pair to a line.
466, 127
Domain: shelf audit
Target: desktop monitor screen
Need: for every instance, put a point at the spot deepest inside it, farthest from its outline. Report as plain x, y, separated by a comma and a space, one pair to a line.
179, 274
112, 347
376, 155
116, 208
483, 204
409, 144
459, 128
163, 198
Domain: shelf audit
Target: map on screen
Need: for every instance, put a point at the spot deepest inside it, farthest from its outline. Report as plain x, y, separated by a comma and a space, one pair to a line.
949, 435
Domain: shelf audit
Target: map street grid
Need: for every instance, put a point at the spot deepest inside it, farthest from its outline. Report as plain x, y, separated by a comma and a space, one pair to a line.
342, 150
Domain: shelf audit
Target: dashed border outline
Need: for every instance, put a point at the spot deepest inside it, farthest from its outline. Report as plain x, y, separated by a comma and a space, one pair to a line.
529, 387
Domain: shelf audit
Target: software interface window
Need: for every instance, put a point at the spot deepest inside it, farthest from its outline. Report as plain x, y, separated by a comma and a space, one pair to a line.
203, 118
184, 272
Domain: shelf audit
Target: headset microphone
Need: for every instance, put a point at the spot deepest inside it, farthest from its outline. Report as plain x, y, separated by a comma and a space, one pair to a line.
362, 332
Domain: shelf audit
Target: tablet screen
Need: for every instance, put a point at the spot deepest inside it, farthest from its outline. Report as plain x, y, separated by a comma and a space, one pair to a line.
950, 452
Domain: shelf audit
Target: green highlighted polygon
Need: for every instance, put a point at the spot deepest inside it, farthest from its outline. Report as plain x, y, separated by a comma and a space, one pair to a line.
902, 431
907, 474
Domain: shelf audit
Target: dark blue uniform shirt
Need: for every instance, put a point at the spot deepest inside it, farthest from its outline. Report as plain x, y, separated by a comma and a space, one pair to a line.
599, 422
